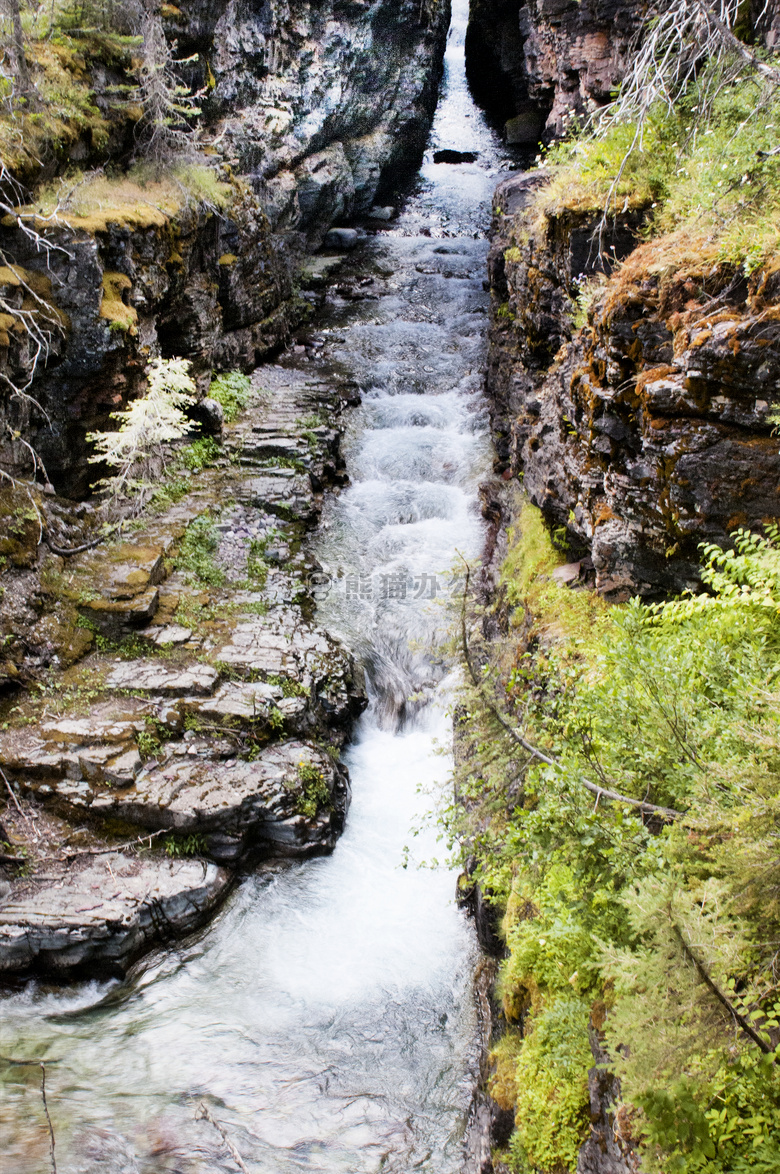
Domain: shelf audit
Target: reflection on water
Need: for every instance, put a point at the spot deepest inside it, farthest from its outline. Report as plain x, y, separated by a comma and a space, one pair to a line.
325, 1018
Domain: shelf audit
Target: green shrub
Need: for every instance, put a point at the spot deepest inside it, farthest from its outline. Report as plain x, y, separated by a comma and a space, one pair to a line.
705, 167
180, 845
314, 790
233, 390
677, 704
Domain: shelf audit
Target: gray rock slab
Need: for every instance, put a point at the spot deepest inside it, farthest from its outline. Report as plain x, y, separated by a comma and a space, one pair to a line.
239, 700
105, 913
169, 634
254, 646
190, 792
32, 757
87, 731
149, 677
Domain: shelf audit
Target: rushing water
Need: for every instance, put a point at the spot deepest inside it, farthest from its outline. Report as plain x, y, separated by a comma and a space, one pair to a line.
325, 1018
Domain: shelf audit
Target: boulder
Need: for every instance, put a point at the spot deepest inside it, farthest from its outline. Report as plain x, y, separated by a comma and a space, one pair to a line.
341, 238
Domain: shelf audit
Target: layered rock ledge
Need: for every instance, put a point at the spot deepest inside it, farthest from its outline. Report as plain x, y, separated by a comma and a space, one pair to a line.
188, 714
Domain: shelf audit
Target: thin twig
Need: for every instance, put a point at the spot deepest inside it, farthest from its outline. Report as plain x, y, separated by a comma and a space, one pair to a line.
16, 802
42, 1064
48, 1118
203, 1111
114, 848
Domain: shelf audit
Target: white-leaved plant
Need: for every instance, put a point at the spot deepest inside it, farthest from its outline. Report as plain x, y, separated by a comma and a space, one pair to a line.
147, 424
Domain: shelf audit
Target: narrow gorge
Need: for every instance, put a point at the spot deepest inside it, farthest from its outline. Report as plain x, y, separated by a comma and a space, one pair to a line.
388, 755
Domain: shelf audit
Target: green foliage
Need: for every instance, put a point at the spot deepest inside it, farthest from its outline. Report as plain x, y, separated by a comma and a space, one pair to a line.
289, 686
256, 566
677, 704
314, 792
173, 489
704, 165
150, 740
233, 390
198, 548
177, 845
200, 454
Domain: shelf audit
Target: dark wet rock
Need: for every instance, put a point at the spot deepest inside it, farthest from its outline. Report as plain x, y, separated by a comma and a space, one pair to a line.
210, 415
451, 156
324, 105
547, 60
99, 916
603, 1152
182, 297
535, 64
524, 129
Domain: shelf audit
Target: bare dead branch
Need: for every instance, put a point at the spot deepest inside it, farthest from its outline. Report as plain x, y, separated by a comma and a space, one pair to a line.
203, 1112
114, 847
720, 995
666, 813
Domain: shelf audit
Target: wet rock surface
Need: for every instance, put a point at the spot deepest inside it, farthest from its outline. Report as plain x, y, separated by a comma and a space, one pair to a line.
310, 111
323, 104
206, 711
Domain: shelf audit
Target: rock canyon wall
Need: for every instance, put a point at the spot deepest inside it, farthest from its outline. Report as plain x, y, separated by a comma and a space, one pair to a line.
310, 112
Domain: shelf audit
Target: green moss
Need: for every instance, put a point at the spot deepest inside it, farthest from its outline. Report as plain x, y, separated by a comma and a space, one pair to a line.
113, 308
552, 1117
526, 575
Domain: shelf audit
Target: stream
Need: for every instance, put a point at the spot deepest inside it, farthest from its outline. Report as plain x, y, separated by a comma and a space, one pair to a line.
326, 1017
